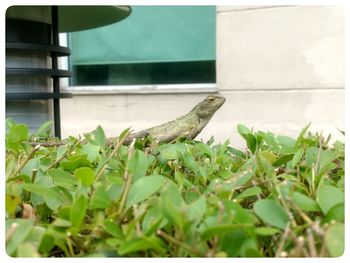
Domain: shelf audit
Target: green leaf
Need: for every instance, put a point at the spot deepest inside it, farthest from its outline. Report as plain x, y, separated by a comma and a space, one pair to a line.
336, 213
61, 150
78, 211
310, 156
241, 215
243, 130
27, 250
232, 242
18, 133
142, 244
297, 157
35, 236
138, 164
113, 228
20, 230
85, 175
250, 248
100, 199
10, 123
334, 239
301, 135
144, 188
328, 196
172, 204
251, 142
59, 222
63, 178
305, 202
271, 213
271, 141
47, 243
91, 150
153, 220
196, 209
189, 161
11, 204
170, 151
286, 141
326, 158
45, 181
252, 191
283, 160
100, 136
265, 165
52, 198
236, 152
268, 156
266, 231
220, 230
124, 133
74, 162
242, 178
205, 149
30, 166
45, 129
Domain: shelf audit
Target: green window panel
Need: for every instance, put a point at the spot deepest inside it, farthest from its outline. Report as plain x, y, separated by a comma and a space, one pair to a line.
151, 34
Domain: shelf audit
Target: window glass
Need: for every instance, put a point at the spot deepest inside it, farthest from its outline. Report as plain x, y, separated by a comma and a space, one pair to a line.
154, 45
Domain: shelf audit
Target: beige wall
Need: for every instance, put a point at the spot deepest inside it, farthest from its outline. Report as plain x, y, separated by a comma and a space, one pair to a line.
278, 67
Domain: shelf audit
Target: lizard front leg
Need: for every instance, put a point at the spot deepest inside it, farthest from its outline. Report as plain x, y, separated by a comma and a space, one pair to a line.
195, 131
188, 135
136, 135
128, 140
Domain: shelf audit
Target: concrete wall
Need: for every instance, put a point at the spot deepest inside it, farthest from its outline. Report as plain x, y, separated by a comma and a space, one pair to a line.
279, 67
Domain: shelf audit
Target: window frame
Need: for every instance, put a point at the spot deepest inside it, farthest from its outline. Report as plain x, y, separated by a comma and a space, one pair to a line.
178, 88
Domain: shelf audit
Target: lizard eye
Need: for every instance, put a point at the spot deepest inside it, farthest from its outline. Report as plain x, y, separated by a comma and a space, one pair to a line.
211, 98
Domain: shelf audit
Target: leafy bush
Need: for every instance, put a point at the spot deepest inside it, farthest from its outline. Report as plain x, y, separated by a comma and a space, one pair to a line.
280, 197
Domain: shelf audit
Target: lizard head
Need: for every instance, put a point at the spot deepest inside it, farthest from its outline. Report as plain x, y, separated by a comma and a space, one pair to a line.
209, 106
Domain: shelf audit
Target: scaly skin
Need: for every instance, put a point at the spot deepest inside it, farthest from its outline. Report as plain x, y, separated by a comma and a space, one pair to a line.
187, 126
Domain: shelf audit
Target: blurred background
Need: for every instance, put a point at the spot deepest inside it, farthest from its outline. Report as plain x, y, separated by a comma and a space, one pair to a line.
279, 68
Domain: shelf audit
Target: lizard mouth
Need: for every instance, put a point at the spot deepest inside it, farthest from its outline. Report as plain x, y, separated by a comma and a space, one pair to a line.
221, 100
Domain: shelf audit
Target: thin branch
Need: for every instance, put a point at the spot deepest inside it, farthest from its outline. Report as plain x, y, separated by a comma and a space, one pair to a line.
69, 150
283, 241
29, 156
304, 216
115, 150
127, 179
47, 144
170, 239
119, 143
10, 232
311, 243
315, 166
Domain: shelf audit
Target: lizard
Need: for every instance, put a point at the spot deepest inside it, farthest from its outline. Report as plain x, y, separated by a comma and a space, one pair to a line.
187, 126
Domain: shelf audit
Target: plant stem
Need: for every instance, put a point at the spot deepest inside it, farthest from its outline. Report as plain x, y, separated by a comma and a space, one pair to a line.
127, 179
70, 246
103, 168
283, 202
69, 150
304, 216
115, 150
284, 238
11, 231
315, 167
170, 239
34, 173
311, 243
29, 156
47, 144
